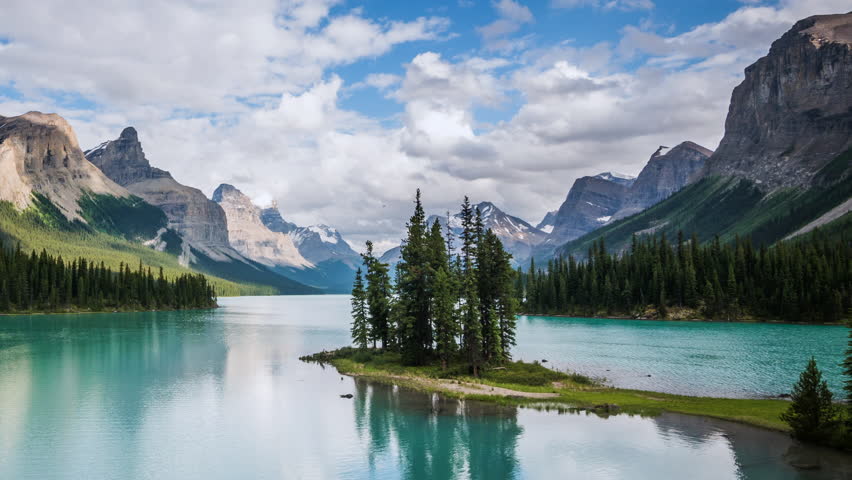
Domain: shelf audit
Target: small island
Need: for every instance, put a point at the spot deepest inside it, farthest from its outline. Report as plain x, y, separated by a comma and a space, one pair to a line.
447, 325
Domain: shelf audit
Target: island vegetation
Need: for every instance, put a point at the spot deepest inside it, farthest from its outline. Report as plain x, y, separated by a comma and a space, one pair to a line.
444, 306
45, 283
807, 280
447, 322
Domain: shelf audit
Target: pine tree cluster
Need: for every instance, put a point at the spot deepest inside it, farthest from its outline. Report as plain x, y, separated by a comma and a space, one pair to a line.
806, 280
444, 305
42, 282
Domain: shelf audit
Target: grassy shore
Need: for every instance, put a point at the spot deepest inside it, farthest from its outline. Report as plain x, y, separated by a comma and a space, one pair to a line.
534, 384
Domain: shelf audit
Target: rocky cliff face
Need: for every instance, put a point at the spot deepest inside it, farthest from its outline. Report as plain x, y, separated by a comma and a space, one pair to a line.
663, 175
792, 114
39, 153
546, 224
321, 243
271, 217
591, 202
249, 236
199, 220
317, 243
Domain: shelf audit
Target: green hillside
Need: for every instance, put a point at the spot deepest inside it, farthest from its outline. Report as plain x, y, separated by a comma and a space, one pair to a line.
42, 227
727, 207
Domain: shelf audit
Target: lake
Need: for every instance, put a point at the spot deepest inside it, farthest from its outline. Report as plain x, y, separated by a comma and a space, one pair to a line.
221, 395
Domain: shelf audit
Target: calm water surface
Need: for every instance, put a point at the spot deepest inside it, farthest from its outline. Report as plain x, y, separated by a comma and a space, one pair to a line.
738, 360
221, 395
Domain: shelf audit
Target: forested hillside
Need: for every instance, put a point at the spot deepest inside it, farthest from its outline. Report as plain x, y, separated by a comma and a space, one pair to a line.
804, 279
49, 283
42, 227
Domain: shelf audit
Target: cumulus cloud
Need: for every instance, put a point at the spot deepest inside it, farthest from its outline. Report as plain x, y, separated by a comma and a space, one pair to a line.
511, 16
188, 54
250, 96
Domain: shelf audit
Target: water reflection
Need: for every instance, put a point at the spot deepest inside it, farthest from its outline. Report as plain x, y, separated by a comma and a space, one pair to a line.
221, 395
436, 437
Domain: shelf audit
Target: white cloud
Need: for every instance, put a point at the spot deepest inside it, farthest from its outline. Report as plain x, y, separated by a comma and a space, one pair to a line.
570, 110
512, 15
382, 81
186, 54
605, 4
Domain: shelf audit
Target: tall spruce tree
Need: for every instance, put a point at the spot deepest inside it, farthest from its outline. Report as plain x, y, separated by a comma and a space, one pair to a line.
414, 288
444, 316
378, 297
472, 334
360, 319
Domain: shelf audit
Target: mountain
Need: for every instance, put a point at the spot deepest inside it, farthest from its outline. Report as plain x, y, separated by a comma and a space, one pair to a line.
663, 175
196, 218
253, 232
791, 115
591, 202
391, 257
53, 198
596, 201
546, 224
271, 217
784, 165
518, 237
618, 178
200, 222
40, 155
249, 236
317, 243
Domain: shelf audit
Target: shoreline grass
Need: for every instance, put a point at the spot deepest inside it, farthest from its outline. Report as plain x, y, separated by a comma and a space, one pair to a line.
516, 382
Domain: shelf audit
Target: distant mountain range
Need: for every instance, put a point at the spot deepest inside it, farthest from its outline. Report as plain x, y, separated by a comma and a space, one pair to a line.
784, 165
316, 255
783, 168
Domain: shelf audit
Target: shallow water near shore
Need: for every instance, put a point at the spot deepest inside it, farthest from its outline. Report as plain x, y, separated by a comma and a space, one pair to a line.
715, 359
221, 394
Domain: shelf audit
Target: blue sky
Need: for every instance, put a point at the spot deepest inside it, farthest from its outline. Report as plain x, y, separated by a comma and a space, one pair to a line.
339, 109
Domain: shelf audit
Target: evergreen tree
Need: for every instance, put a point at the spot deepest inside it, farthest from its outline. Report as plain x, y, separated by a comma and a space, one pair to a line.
811, 415
414, 285
378, 297
805, 279
445, 318
360, 321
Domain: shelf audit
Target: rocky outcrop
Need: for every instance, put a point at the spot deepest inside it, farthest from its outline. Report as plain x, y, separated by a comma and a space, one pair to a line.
271, 217
591, 202
619, 178
317, 243
199, 220
792, 114
249, 236
39, 153
663, 175
546, 224
321, 243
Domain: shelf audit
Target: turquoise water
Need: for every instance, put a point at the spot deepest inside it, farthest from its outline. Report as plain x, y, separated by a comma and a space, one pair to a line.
221, 395
739, 360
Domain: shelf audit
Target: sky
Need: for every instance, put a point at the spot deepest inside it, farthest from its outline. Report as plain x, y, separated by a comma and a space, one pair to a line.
340, 109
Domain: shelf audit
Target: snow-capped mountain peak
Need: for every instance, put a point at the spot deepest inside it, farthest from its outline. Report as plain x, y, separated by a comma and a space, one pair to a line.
615, 177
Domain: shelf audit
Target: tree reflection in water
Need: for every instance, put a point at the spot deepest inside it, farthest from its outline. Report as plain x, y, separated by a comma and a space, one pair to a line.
434, 436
